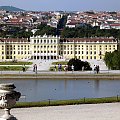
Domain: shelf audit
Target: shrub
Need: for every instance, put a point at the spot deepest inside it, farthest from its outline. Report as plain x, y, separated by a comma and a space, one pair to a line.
78, 64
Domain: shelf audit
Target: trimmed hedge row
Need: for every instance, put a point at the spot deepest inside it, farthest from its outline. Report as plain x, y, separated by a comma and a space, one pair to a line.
68, 102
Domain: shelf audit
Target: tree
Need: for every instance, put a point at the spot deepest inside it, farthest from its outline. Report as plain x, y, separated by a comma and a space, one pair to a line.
78, 64
44, 29
112, 60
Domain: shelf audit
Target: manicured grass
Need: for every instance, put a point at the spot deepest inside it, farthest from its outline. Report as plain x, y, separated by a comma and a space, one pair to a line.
53, 68
11, 68
60, 62
68, 102
63, 63
15, 63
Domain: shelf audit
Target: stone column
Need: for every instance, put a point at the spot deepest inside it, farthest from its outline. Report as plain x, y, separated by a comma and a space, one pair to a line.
8, 98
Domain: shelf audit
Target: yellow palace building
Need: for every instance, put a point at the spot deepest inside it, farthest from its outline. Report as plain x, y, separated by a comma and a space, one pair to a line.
86, 48
53, 47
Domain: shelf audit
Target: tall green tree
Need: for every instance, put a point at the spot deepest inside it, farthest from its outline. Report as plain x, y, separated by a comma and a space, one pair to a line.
112, 60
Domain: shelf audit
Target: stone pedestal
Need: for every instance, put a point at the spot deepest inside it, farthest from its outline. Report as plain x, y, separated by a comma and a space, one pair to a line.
8, 98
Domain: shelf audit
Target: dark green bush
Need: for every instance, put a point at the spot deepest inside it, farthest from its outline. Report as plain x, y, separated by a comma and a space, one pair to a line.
78, 64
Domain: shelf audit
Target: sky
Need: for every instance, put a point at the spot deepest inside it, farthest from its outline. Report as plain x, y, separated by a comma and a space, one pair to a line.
64, 5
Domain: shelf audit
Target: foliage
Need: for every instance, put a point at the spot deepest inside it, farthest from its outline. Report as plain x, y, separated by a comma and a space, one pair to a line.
15, 63
61, 24
15, 32
68, 102
78, 64
11, 68
89, 31
44, 29
61, 62
112, 60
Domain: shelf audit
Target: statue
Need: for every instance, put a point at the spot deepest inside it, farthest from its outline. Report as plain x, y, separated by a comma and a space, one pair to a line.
8, 98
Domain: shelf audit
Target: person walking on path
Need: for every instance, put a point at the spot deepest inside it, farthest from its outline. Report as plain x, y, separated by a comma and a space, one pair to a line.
72, 68
35, 68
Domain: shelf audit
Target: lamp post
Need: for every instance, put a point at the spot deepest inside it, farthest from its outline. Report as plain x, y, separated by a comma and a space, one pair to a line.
8, 98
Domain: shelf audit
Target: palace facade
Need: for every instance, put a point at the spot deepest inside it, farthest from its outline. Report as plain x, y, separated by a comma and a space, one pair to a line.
86, 48
53, 47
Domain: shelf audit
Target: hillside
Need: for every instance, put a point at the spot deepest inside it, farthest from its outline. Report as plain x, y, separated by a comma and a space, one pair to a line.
10, 8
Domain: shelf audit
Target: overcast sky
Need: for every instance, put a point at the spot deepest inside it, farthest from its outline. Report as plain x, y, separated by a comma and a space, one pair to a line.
65, 5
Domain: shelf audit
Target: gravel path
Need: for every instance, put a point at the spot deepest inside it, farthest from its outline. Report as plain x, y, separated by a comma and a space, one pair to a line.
107, 111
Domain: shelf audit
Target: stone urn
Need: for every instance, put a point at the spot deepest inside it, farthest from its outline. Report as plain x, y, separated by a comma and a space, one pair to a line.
8, 98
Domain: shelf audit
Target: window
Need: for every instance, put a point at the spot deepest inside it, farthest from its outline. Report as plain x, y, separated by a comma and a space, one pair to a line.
21, 52
90, 48
2, 47
18, 52
94, 47
7, 52
64, 47
87, 47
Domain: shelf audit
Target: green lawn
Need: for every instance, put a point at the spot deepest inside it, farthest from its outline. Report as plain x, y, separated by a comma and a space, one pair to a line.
60, 62
11, 68
15, 63
68, 102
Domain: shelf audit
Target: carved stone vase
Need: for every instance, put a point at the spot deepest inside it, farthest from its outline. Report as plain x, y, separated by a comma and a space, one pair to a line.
8, 98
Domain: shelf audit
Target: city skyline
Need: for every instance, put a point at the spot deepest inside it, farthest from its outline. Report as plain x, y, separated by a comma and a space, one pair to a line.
53, 5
